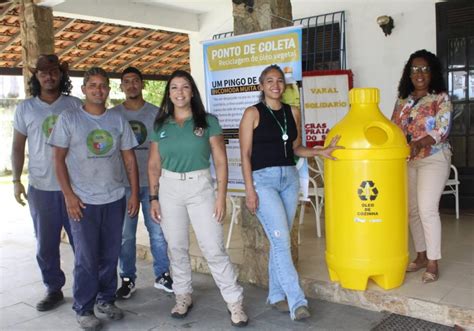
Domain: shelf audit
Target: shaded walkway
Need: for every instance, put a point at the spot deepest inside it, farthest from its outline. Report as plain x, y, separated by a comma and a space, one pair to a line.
148, 309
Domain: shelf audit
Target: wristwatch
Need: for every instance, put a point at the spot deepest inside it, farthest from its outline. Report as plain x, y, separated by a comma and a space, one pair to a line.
153, 197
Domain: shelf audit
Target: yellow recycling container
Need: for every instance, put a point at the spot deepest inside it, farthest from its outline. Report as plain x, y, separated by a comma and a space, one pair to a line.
366, 197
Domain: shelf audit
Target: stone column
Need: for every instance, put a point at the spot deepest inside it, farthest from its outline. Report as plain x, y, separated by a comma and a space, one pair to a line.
261, 15
37, 34
254, 16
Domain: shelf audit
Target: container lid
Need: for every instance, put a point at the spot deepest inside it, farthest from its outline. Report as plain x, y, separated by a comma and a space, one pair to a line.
364, 95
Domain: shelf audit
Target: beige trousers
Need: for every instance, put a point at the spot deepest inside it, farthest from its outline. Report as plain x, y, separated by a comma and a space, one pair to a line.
186, 198
426, 181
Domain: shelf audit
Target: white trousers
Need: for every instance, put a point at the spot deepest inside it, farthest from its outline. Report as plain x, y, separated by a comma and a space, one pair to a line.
186, 198
426, 181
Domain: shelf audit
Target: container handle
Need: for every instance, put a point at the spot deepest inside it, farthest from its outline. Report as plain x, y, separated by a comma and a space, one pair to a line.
378, 134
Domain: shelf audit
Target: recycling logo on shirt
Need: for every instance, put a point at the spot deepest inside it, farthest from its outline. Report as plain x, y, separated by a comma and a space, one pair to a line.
139, 129
367, 191
99, 142
48, 125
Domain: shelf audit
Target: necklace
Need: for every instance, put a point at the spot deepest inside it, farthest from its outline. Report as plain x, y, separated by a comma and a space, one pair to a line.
283, 129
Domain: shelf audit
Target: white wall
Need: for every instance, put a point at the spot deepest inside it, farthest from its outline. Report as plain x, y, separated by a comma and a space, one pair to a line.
128, 12
219, 20
376, 60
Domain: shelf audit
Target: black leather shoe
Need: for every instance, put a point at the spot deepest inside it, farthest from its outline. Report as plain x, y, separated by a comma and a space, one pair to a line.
50, 301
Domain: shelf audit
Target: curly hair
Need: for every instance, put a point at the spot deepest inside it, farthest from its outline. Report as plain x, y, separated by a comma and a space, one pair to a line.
65, 85
437, 84
167, 106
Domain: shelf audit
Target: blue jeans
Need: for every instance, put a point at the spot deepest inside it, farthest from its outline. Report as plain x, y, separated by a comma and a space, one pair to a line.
158, 245
277, 189
48, 211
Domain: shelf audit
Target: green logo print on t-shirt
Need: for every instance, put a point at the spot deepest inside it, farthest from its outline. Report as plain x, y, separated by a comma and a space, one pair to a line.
139, 129
99, 142
48, 125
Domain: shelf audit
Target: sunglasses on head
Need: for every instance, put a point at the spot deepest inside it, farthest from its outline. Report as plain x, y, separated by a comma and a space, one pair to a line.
420, 69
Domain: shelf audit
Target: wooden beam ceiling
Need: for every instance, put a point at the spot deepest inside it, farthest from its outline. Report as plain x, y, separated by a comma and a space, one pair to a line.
84, 44
164, 56
94, 51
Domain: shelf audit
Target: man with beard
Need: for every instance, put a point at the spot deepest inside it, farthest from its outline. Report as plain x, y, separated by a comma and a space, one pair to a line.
34, 120
141, 116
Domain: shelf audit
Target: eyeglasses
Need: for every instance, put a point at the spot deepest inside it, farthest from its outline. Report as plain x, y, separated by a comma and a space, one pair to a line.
422, 69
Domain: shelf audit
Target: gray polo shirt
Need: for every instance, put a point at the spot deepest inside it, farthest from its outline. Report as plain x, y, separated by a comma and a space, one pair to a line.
35, 119
94, 159
141, 121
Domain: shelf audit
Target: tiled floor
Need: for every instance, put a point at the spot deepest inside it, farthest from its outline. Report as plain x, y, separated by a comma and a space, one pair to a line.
456, 283
455, 286
148, 309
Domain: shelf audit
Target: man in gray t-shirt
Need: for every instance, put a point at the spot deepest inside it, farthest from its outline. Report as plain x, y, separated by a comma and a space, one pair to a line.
34, 119
90, 144
141, 116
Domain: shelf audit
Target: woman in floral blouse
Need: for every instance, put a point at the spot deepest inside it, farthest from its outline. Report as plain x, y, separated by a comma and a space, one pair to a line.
423, 111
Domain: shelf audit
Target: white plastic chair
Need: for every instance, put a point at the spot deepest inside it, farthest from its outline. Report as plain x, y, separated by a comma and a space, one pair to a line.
315, 192
452, 187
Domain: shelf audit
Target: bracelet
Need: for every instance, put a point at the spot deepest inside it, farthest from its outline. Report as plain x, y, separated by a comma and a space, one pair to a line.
16, 181
153, 197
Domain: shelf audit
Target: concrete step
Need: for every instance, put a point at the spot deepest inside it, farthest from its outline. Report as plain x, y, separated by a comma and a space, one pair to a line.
374, 299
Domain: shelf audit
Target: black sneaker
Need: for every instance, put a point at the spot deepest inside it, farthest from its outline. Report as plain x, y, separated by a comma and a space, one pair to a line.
164, 282
50, 301
128, 287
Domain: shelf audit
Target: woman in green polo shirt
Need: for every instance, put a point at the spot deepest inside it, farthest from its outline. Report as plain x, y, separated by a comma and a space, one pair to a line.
185, 136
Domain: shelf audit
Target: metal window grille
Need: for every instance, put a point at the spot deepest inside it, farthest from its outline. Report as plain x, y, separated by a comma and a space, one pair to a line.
323, 41
223, 35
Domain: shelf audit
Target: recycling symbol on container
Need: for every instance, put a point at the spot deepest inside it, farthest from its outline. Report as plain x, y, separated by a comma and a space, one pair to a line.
367, 191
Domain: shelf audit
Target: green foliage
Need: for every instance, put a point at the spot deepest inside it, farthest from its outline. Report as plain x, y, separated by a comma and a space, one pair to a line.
116, 95
154, 91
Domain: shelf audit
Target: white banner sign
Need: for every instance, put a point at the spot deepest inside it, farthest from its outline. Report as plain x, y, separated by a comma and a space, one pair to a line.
325, 104
232, 68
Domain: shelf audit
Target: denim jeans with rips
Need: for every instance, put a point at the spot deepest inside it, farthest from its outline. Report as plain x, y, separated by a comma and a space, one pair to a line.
277, 189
